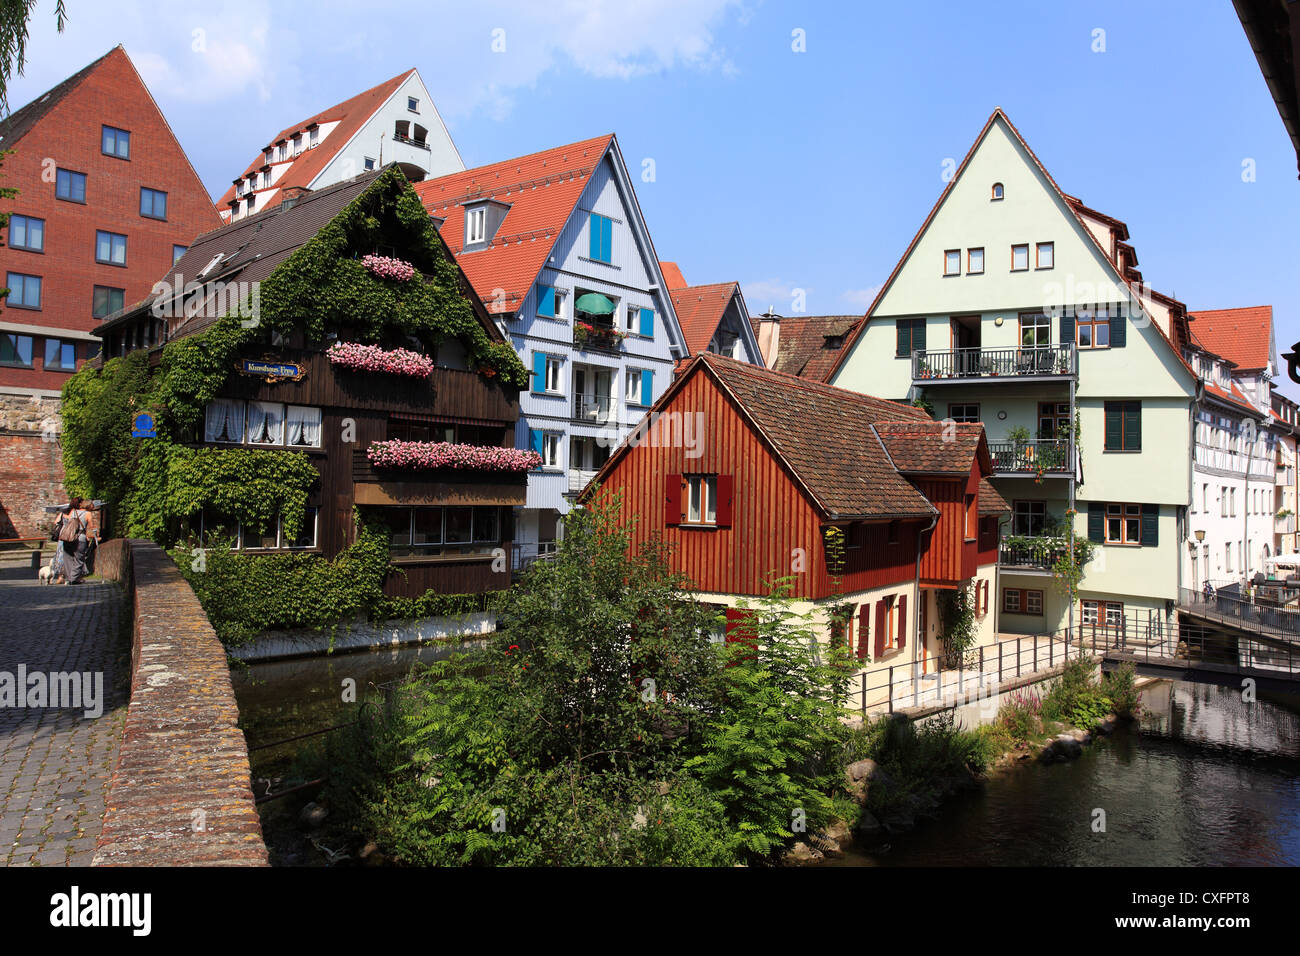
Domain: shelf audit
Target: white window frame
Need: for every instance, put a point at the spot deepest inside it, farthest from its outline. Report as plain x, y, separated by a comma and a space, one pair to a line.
476, 225
633, 396
1007, 607
551, 451
948, 257
554, 375
1034, 603
702, 499
1038, 255
970, 264
413, 104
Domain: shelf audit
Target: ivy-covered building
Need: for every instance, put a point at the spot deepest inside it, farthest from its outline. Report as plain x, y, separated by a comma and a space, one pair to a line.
327, 397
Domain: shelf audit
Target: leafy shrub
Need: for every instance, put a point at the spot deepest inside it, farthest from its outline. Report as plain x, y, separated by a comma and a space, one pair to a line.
1120, 686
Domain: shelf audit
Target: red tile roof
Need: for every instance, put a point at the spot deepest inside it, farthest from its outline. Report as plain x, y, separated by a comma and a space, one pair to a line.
351, 115
542, 191
806, 346
673, 277
934, 448
990, 501
1233, 397
700, 309
1242, 336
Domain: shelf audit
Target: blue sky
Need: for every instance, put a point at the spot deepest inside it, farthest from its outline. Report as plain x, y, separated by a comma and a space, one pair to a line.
784, 170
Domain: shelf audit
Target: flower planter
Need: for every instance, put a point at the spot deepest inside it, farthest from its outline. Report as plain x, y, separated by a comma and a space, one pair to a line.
388, 268
429, 456
372, 358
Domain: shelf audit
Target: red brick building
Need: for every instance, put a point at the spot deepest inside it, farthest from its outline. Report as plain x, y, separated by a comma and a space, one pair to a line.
107, 199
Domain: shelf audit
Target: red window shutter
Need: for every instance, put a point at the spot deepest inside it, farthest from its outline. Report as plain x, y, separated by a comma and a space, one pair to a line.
736, 629
848, 629
673, 501
984, 585
864, 629
725, 486
902, 621
880, 629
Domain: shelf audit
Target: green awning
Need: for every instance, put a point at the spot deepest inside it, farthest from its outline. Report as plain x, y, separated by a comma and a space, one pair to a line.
593, 303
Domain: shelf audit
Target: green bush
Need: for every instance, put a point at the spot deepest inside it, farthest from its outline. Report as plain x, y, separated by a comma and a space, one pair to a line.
1120, 686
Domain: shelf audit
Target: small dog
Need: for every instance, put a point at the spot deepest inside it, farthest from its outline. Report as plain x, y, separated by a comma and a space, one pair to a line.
46, 574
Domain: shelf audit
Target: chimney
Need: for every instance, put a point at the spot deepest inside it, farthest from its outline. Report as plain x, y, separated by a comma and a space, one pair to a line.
769, 336
291, 195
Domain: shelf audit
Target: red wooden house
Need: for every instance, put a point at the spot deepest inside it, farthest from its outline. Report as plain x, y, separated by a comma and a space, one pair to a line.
743, 470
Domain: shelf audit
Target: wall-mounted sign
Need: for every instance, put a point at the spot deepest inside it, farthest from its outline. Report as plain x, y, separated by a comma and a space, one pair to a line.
142, 426
1292, 361
273, 371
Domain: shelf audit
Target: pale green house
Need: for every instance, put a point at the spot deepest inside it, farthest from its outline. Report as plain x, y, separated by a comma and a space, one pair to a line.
1018, 306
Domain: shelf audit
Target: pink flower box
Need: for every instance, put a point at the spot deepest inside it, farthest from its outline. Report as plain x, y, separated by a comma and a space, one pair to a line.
389, 268
371, 358
441, 454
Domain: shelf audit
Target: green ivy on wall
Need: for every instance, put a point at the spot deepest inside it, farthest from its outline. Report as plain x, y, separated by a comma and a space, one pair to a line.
321, 292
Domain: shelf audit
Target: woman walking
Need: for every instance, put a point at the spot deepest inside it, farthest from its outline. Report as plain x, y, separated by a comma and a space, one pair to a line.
76, 526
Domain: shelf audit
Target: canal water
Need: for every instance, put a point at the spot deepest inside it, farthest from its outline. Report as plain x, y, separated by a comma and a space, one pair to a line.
1209, 780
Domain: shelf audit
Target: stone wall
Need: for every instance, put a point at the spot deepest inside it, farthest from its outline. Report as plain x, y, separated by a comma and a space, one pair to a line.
180, 794
31, 465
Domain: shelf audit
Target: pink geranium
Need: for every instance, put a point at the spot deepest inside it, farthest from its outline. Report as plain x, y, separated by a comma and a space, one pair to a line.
388, 268
371, 358
441, 454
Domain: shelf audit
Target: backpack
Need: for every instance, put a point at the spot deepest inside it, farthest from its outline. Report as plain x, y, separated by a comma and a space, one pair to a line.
71, 527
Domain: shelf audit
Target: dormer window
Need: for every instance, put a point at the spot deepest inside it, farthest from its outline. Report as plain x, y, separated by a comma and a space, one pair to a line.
313, 137
997, 191
476, 225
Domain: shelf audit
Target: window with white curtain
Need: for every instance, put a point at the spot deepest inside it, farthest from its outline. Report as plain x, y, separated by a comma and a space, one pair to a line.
224, 420
265, 423
302, 426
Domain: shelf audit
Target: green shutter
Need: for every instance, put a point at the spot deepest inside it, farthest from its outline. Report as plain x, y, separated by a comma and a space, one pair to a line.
1067, 328
1118, 331
904, 330
1132, 426
1114, 426
918, 335
1097, 521
1150, 526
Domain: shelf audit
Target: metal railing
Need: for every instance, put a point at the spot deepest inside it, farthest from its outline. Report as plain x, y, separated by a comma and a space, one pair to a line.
593, 407
1227, 603
523, 556
579, 479
1046, 455
986, 671
1041, 555
1284, 525
994, 363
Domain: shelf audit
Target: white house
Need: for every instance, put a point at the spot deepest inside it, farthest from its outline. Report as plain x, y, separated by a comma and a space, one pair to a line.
394, 122
556, 246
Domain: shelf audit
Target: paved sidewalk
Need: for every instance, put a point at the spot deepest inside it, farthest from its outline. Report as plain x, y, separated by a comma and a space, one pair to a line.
55, 764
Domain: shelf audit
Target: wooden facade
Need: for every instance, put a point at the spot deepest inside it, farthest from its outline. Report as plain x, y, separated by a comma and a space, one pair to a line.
951, 552
358, 408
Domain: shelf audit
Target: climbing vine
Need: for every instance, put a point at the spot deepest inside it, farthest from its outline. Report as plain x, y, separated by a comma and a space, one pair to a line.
957, 617
322, 292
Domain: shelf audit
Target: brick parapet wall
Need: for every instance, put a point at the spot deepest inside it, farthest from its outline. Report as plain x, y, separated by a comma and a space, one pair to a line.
180, 794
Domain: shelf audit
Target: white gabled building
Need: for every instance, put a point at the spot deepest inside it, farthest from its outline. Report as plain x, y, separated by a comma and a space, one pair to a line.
1231, 516
556, 246
394, 122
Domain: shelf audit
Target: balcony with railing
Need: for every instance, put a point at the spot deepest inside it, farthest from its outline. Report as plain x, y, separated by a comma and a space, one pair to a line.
1032, 554
1284, 524
1014, 364
1045, 456
593, 408
603, 338
578, 479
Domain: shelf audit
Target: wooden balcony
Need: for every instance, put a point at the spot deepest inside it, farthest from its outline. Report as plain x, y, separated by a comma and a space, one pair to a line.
1050, 362
446, 486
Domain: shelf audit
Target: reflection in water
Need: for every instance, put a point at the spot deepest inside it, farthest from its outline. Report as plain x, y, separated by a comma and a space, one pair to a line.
282, 699
1210, 780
